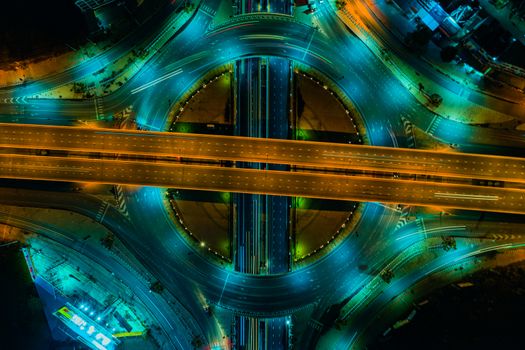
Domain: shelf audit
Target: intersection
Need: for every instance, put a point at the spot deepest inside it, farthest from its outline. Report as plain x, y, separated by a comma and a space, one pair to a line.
412, 200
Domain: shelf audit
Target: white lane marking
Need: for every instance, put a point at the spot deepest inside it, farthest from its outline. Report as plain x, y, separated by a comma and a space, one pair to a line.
156, 81
223, 287
434, 230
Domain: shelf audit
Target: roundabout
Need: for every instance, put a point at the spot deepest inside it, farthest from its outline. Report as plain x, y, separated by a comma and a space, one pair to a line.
256, 269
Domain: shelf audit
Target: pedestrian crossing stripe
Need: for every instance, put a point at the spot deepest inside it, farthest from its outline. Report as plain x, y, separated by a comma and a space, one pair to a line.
207, 10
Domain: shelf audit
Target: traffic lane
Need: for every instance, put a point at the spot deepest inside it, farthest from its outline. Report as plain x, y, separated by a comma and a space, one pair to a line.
278, 295
244, 293
20, 100
239, 286
501, 103
417, 113
51, 108
311, 185
367, 249
184, 44
216, 147
361, 81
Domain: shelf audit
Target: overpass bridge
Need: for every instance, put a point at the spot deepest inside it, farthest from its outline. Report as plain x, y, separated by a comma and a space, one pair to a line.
156, 167
280, 183
274, 151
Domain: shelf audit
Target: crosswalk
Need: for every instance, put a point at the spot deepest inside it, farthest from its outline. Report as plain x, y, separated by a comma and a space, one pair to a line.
121, 205
315, 324
420, 224
99, 109
102, 210
433, 125
207, 10
401, 222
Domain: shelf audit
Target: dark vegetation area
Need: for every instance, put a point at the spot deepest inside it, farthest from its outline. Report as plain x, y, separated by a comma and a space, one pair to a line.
488, 315
36, 28
22, 321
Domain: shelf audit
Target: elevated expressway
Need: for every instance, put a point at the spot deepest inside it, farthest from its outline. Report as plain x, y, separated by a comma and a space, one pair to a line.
305, 184
299, 153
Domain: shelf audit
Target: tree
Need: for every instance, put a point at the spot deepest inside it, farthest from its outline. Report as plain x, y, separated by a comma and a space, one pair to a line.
188, 7
448, 242
197, 341
448, 53
418, 39
387, 275
156, 287
79, 88
436, 99
108, 240
340, 4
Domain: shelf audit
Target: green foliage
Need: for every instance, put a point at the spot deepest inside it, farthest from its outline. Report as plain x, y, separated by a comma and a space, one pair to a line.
156, 287
448, 53
340, 4
448, 243
387, 275
108, 241
189, 7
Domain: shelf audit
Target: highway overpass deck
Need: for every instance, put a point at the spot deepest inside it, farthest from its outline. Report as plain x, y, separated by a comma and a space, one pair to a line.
281, 183
300, 153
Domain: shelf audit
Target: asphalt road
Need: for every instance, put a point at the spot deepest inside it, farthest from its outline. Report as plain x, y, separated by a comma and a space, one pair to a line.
280, 183
249, 149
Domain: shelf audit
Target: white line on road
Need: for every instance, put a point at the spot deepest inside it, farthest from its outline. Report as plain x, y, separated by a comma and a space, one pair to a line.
106, 206
309, 43
223, 287
156, 81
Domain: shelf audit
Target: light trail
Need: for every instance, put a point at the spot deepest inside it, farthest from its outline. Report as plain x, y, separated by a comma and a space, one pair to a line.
156, 81
466, 196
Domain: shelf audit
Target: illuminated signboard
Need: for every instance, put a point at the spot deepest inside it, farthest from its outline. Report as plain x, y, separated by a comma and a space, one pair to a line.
87, 330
